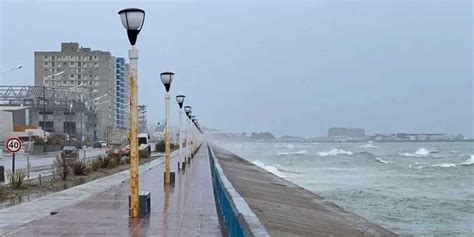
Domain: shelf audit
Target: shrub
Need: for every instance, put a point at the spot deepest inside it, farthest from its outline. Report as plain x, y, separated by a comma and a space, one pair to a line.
144, 153
38, 141
105, 162
17, 179
79, 167
61, 167
160, 146
96, 163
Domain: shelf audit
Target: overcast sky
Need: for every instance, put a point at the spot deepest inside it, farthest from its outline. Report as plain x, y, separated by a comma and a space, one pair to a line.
289, 67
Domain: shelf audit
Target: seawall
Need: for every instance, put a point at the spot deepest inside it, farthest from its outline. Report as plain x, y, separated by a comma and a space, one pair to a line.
277, 207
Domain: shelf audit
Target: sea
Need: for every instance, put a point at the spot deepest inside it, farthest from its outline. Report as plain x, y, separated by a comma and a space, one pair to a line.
410, 188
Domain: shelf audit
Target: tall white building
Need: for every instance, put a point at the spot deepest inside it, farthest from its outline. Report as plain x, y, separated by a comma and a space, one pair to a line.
97, 76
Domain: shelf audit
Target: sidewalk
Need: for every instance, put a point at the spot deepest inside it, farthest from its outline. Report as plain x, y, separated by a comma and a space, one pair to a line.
188, 209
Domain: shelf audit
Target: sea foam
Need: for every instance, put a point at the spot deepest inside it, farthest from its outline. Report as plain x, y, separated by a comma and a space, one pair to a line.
469, 161
303, 152
334, 152
445, 165
269, 168
420, 153
378, 159
368, 145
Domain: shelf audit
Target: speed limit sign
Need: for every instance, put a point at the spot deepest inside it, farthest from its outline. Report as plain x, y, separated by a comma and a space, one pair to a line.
13, 145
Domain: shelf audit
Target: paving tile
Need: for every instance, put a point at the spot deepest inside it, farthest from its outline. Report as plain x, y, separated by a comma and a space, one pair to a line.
182, 210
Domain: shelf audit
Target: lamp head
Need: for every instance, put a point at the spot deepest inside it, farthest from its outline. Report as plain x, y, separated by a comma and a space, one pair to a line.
180, 100
166, 79
132, 20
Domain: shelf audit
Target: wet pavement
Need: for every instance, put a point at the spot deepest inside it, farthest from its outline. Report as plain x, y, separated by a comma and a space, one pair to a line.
187, 209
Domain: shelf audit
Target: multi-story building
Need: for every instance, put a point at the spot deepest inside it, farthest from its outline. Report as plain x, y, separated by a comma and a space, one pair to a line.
91, 72
142, 121
121, 93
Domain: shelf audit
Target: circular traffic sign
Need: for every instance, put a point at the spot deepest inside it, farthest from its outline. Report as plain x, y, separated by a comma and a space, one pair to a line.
13, 145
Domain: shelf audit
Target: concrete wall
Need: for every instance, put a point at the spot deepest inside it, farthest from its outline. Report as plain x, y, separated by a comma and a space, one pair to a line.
238, 218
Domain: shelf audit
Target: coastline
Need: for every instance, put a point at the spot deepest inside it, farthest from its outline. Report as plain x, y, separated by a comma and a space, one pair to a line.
286, 209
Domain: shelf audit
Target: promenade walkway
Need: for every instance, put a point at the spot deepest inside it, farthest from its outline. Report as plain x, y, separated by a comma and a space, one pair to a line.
187, 209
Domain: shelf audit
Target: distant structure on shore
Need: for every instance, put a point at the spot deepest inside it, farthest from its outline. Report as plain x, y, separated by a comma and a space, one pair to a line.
336, 134
346, 134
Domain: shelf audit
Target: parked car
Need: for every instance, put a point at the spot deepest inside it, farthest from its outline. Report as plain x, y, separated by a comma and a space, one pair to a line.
97, 145
69, 152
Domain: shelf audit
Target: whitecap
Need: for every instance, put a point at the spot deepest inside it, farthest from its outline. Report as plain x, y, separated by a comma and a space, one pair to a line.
303, 152
378, 159
469, 161
368, 145
334, 152
420, 153
269, 168
288, 146
445, 165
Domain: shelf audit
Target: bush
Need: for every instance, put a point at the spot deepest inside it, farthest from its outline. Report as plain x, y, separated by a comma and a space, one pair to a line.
144, 153
61, 167
79, 167
38, 141
96, 163
17, 179
160, 146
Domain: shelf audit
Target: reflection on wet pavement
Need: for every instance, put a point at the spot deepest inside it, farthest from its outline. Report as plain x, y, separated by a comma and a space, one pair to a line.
187, 209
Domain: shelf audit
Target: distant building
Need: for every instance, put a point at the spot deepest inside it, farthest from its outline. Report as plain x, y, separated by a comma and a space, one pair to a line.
142, 120
92, 73
346, 132
121, 93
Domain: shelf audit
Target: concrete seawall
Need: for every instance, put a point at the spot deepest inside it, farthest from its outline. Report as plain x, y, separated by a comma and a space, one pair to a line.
285, 209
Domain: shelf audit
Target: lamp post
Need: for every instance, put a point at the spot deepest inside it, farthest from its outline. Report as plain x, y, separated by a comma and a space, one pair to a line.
187, 110
166, 79
44, 101
182, 162
66, 129
132, 19
193, 142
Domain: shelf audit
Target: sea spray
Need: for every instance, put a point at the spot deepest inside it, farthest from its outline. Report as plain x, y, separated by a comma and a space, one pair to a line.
469, 161
334, 152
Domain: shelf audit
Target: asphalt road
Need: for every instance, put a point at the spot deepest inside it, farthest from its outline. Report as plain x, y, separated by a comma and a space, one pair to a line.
41, 164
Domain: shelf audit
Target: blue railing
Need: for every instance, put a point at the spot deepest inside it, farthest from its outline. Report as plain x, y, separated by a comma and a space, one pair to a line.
238, 218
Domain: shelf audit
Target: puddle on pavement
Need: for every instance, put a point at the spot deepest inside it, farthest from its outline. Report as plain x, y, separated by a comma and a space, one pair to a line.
26, 196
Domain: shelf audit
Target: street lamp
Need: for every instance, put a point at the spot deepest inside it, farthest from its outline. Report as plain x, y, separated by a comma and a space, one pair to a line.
11, 69
66, 128
166, 79
187, 110
182, 163
133, 19
193, 142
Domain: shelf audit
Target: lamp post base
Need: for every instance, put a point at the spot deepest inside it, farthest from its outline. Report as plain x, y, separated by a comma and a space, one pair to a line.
172, 178
144, 203
182, 166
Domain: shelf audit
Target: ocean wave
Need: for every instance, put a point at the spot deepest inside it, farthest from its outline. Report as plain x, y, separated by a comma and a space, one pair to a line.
334, 152
288, 146
303, 152
420, 153
281, 169
378, 159
368, 145
469, 161
269, 168
444, 165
